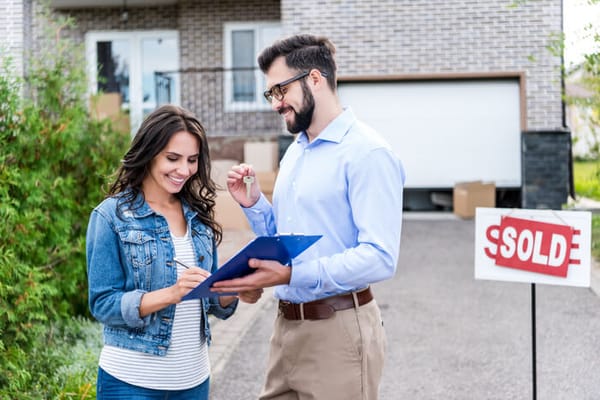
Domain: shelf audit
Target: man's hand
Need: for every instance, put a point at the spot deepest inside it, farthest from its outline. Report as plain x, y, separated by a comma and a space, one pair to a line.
268, 273
237, 187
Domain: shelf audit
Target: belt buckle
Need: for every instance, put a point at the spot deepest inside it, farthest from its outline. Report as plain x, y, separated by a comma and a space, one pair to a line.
283, 304
288, 310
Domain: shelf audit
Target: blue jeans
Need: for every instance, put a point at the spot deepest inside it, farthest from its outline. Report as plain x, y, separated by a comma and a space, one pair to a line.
110, 388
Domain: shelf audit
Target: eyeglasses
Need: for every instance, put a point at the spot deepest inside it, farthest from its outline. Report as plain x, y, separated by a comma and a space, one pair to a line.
277, 90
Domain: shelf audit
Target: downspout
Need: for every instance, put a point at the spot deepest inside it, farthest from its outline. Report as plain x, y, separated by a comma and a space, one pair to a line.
563, 93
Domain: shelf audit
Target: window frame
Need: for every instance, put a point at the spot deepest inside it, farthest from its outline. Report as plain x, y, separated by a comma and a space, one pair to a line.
260, 42
135, 38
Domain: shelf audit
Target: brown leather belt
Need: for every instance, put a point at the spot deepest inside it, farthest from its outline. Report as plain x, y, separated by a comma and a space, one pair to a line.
324, 308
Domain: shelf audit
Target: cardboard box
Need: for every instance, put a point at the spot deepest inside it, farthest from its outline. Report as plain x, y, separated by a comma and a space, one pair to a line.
263, 156
228, 212
105, 105
108, 106
121, 123
266, 180
218, 172
467, 196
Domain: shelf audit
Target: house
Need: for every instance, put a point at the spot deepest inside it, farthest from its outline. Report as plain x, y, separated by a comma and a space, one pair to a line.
463, 90
580, 118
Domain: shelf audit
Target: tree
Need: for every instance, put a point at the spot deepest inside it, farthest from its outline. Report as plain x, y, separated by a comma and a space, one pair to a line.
584, 80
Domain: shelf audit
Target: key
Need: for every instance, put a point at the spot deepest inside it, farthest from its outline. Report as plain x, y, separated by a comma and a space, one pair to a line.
248, 180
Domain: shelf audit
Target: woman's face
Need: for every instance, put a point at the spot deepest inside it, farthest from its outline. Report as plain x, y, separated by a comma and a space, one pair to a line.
173, 166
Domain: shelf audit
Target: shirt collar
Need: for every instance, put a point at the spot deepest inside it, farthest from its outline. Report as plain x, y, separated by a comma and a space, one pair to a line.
336, 130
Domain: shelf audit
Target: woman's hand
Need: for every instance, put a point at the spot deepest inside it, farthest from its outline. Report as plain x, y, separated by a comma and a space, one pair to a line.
158, 299
190, 278
250, 296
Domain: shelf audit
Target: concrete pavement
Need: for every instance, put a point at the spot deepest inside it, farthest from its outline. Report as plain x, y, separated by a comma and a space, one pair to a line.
449, 336
227, 334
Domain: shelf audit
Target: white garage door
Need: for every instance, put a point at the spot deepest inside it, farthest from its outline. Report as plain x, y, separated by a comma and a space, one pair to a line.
445, 131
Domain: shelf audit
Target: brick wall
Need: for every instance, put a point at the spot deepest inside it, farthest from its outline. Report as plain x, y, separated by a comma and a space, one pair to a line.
104, 19
12, 31
200, 27
373, 37
201, 36
546, 161
391, 37
380, 37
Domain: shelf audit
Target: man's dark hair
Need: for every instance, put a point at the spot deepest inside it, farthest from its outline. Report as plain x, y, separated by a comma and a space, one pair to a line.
303, 53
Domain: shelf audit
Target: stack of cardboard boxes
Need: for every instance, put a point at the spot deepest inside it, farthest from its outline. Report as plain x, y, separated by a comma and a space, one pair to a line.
467, 196
228, 212
108, 106
264, 159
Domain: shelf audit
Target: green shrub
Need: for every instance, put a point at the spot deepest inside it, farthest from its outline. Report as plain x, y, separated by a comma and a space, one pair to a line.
66, 361
54, 162
77, 352
596, 236
587, 178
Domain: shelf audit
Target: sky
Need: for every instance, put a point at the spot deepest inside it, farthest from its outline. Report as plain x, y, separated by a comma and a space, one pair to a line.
577, 15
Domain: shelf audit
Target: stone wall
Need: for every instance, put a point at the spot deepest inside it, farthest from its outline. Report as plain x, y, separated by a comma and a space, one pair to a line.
546, 169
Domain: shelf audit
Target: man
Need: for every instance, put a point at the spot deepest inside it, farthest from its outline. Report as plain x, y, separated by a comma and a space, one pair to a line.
341, 180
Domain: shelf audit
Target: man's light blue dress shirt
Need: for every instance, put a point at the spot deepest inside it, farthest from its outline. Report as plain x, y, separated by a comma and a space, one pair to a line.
347, 186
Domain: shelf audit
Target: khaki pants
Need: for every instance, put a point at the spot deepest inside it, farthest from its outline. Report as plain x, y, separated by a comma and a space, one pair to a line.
336, 358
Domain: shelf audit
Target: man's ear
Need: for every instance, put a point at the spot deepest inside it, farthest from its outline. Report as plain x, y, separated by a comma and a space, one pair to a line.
316, 78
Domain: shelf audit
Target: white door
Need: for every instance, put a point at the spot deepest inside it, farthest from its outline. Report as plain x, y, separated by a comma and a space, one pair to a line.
125, 62
445, 131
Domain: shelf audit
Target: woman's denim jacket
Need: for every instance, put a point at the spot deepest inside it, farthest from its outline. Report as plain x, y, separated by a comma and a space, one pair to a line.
132, 253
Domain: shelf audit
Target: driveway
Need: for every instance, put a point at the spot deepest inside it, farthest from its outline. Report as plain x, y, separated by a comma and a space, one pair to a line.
449, 336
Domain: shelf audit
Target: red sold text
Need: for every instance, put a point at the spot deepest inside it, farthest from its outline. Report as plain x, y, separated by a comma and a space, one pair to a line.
529, 245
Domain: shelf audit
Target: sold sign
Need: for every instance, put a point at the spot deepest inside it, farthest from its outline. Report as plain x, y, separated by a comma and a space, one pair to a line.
533, 246
542, 246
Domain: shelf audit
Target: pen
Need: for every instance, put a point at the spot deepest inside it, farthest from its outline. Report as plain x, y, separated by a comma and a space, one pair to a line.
181, 263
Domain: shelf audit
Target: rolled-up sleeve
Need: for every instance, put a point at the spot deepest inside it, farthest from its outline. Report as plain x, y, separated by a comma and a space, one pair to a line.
214, 307
109, 301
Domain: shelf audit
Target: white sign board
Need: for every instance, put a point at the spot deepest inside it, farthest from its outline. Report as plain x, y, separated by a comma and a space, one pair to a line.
536, 246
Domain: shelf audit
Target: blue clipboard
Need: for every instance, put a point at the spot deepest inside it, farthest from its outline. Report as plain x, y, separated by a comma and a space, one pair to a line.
282, 248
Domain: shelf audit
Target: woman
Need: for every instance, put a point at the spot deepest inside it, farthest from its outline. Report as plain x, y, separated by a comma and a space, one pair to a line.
149, 243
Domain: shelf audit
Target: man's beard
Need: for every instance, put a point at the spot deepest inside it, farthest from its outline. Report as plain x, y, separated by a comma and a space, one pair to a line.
303, 118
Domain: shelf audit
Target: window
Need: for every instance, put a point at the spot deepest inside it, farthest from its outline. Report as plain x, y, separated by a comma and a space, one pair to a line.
244, 83
126, 62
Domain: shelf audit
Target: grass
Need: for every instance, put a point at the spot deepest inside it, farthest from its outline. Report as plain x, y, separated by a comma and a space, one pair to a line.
596, 236
586, 177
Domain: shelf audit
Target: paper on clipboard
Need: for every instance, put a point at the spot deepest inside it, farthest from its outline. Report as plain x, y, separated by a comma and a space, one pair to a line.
282, 248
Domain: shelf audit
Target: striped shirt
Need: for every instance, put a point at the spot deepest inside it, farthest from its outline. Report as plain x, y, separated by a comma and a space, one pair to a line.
186, 364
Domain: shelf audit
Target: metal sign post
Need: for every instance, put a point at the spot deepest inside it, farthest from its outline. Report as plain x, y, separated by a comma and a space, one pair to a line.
533, 344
